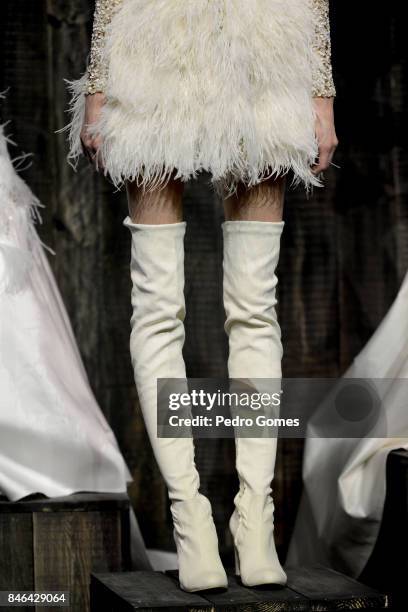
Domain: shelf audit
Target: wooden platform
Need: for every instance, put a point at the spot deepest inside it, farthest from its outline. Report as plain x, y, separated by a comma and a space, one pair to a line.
54, 544
387, 568
313, 589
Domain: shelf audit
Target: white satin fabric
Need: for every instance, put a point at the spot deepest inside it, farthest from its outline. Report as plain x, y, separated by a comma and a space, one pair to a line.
344, 479
54, 438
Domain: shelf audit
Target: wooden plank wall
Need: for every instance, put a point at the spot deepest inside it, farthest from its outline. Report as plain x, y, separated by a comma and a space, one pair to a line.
345, 250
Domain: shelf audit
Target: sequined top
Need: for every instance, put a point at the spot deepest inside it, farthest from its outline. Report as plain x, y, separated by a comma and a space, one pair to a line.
323, 85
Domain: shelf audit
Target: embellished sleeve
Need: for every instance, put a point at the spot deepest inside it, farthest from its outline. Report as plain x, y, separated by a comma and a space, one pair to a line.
97, 70
323, 85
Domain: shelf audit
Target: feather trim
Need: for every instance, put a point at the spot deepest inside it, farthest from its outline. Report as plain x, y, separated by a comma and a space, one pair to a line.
223, 87
76, 109
19, 211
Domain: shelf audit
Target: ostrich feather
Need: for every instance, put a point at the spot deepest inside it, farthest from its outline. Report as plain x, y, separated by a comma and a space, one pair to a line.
222, 86
19, 211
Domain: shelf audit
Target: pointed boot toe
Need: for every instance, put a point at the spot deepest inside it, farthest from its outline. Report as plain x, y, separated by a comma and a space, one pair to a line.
207, 581
273, 576
200, 566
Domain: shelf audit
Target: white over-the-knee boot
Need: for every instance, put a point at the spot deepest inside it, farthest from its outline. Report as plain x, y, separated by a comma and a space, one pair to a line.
157, 338
251, 254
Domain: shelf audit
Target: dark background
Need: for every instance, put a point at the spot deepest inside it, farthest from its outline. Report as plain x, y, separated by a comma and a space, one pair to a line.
344, 253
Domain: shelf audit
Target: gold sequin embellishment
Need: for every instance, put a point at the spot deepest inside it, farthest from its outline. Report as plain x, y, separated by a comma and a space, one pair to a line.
323, 85
97, 71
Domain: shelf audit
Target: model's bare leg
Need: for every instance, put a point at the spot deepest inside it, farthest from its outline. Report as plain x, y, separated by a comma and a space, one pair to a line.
263, 202
156, 207
156, 343
252, 235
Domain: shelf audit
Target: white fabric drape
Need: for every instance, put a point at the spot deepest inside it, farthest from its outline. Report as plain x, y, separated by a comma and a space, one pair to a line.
344, 479
54, 438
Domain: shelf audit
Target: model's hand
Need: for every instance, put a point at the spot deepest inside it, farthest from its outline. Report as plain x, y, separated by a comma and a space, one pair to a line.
325, 133
91, 143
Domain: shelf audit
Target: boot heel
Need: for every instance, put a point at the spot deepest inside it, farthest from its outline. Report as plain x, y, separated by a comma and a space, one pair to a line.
237, 570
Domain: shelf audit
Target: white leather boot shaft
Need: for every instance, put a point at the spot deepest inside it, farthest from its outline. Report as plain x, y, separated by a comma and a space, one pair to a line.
157, 338
251, 255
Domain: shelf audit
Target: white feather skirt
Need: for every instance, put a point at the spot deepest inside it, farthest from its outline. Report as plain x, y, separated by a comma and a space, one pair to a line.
223, 86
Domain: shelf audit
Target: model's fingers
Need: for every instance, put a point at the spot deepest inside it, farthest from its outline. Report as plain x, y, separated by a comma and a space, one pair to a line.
86, 151
319, 168
91, 145
86, 144
326, 153
331, 155
98, 160
91, 150
97, 143
322, 163
95, 158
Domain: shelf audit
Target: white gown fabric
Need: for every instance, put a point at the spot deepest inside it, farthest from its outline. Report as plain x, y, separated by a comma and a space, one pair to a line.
344, 479
54, 438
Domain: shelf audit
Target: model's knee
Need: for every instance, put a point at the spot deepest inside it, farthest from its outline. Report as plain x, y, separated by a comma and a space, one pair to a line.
155, 206
262, 202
